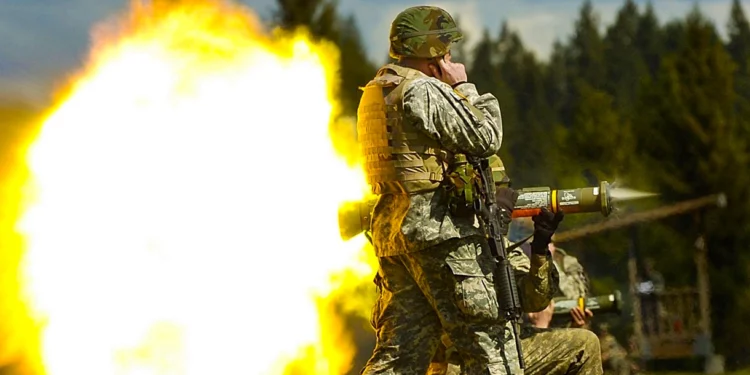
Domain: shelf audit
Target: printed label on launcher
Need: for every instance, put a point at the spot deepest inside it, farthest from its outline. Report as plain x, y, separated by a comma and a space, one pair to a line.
569, 197
532, 199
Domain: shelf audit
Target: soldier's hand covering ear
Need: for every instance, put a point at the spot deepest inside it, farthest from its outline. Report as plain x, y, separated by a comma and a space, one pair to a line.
545, 225
449, 72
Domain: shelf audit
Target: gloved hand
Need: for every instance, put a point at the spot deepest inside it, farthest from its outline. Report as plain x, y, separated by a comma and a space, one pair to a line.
505, 198
545, 225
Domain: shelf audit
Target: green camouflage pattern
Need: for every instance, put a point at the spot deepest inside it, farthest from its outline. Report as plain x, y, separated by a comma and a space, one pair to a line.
546, 352
614, 357
416, 32
558, 351
449, 289
407, 223
574, 282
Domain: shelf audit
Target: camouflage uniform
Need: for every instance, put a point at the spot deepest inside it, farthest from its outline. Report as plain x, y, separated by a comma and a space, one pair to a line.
435, 271
574, 282
614, 356
547, 350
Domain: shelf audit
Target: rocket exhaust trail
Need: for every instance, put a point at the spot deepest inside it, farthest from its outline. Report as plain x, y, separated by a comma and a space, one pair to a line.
620, 194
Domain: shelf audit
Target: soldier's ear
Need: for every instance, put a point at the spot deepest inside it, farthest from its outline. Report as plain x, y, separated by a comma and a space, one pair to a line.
435, 69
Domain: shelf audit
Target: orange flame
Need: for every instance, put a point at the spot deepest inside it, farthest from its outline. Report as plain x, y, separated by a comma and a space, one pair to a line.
183, 203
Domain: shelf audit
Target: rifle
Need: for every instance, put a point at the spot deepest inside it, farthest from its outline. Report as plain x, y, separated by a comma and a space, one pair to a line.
489, 213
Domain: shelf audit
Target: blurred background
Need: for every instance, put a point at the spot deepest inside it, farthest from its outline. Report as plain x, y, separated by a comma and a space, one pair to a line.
654, 96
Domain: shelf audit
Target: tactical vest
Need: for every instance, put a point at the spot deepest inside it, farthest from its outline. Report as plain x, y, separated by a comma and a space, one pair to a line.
398, 158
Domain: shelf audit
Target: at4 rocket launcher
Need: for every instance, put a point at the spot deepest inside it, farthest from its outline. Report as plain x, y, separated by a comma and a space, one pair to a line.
606, 304
570, 201
354, 217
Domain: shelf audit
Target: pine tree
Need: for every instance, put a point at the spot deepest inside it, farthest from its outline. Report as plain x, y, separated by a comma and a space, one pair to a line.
485, 74
318, 16
587, 48
594, 139
356, 68
557, 84
625, 65
673, 36
524, 76
649, 39
738, 30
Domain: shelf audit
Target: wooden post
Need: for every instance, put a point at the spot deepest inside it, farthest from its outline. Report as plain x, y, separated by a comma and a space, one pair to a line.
714, 363
704, 293
634, 296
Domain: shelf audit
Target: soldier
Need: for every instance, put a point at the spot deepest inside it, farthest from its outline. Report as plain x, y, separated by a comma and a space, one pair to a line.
415, 120
574, 283
614, 356
546, 350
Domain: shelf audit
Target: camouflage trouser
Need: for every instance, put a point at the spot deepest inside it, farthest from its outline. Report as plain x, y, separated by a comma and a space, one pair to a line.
617, 366
549, 351
447, 288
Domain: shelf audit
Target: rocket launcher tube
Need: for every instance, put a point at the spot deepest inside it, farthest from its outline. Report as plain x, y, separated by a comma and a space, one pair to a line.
354, 217
610, 303
589, 199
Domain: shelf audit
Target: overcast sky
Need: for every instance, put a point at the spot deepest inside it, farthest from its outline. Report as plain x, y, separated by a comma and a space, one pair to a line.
40, 40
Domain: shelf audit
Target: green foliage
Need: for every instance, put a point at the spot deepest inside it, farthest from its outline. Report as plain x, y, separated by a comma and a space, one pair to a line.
356, 69
623, 59
649, 40
693, 101
318, 16
739, 36
484, 73
587, 47
739, 47
660, 108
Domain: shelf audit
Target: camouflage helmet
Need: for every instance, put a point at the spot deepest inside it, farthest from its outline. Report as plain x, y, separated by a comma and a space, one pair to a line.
423, 31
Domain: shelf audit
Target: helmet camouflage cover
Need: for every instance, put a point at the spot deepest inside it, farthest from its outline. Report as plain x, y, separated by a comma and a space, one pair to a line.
423, 31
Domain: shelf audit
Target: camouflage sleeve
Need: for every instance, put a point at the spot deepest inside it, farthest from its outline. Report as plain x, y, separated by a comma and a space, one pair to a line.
576, 280
536, 278
461, 120
583, 280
